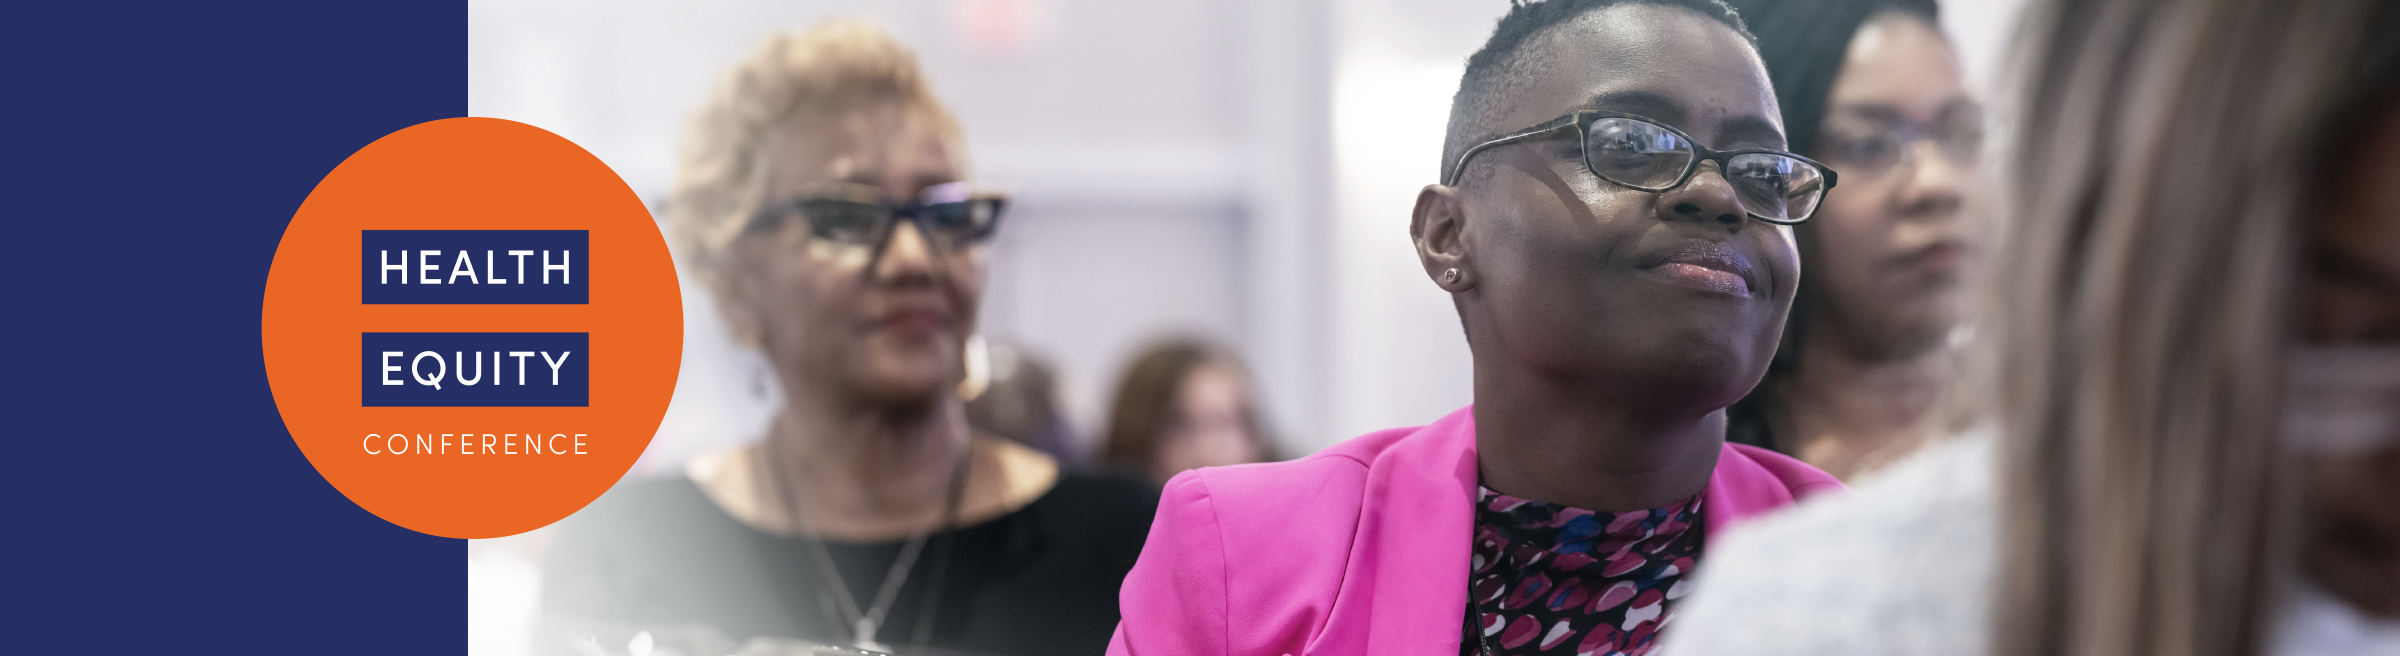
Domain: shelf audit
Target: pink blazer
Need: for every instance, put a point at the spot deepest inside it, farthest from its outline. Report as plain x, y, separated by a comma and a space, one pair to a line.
1361, 548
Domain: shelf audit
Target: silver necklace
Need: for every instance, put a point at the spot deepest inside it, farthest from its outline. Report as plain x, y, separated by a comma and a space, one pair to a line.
1475, 620
866, 623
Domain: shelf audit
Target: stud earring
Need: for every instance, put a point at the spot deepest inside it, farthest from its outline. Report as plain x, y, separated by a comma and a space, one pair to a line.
1450, 276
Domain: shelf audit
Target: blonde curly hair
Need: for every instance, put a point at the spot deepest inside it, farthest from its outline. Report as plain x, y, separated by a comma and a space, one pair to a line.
835, 70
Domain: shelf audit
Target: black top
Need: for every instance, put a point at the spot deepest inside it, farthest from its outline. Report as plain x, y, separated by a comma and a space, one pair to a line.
1042, 580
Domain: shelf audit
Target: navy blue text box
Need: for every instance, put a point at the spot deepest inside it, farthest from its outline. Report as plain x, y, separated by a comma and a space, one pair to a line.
478, 370
474, 267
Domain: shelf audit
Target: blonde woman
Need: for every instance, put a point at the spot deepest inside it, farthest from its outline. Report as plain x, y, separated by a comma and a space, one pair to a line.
2197, 433
823, 197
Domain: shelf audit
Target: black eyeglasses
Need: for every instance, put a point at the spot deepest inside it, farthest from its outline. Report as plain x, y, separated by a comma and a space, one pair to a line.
1869, 153
950, 216
1645, 155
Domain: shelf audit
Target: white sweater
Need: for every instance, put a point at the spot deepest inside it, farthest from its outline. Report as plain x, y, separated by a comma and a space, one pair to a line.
1903, 565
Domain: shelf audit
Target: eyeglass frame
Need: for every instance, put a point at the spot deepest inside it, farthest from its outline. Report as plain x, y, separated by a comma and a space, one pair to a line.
1582, 120
912, 212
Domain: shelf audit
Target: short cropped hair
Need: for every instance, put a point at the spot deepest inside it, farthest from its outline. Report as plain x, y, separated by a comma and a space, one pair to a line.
822, 75
1499, 66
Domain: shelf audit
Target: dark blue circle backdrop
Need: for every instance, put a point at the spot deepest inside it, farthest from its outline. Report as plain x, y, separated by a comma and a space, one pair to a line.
152, 158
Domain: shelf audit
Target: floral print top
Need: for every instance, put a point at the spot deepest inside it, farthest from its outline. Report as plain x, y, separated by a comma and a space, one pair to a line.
1549, 579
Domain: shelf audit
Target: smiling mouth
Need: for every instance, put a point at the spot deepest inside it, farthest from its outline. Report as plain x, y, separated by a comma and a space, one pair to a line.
1707, 266
1943, 256
914, 321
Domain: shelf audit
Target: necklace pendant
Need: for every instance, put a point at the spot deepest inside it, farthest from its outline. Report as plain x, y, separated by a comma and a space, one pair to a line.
862, 636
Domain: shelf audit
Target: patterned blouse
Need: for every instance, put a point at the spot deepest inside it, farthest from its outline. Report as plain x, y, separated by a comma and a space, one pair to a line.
1550, 579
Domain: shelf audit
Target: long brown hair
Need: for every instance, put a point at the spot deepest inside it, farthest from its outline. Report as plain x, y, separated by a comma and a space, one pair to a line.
2161, 153
1148, 399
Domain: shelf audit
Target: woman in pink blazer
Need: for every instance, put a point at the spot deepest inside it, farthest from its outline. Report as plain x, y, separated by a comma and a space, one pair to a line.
1623, 268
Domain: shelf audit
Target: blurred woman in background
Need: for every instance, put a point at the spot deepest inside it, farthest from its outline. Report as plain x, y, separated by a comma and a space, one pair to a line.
2197, 341
1873, 89
1184, 404
822, 197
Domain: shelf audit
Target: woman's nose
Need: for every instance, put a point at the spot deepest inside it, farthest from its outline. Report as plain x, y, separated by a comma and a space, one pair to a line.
1932, 183
907, 253
1705, 199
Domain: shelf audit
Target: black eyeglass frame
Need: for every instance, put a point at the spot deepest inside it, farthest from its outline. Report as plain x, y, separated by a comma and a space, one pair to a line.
1582, 119
892, 214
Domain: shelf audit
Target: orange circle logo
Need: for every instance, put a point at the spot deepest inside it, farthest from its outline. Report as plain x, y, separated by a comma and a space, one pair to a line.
472, 327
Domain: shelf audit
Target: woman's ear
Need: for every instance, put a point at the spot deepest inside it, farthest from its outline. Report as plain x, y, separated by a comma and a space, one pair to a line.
737, 300
1439, 229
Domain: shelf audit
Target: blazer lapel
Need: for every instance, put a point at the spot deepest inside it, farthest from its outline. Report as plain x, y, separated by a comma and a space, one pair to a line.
1739, 489
1405, 588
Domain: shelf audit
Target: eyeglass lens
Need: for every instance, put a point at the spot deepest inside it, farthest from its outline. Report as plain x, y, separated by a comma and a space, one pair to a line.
1648, 156
1871, 153
1636, 154
949, 216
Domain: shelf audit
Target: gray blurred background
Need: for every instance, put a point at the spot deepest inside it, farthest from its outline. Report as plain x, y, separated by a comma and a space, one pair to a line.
1240, 170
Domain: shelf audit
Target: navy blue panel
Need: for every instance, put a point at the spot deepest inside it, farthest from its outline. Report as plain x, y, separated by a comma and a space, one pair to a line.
156, 150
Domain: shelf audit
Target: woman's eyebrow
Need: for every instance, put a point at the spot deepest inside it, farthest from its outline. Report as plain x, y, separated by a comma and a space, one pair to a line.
1872, 112
1962, 106
1634, 101
1749, 129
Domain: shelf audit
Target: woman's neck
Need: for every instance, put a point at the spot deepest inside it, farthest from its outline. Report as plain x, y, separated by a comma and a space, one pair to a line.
1585, 446
866, 470
1848, 414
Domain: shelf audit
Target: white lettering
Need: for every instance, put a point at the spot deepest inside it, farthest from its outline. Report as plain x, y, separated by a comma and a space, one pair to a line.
520, 255
520, 356
461, 376
425, 264
387, 365
564, 277
465, 266
384, 277
491, 275
436, 380
562, 359
368, 444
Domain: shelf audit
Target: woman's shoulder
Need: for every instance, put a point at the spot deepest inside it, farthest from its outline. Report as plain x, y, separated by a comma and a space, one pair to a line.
1311, 505
642, 517
1332, 479
649, 548
1338, 471
1899, 565
645, 500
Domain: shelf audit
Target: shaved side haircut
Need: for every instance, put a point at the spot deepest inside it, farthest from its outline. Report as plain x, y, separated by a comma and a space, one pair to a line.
1500, 65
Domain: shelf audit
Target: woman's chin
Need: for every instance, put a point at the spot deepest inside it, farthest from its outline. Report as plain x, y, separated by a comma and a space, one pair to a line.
909, 381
